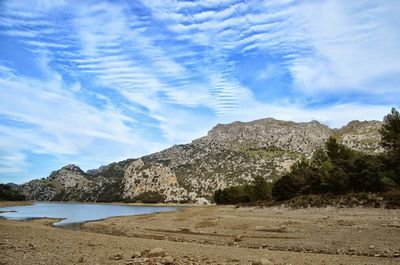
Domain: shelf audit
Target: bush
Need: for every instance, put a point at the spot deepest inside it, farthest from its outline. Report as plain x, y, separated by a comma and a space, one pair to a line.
261, 189
392, 199
9, 194
388, 184
258, 190
233, 195
286, 188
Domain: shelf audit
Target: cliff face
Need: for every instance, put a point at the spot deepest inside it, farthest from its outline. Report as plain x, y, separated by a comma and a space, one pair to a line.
229, 154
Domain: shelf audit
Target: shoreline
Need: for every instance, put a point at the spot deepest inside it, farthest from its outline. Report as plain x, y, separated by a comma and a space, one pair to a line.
14, 203
78, 225
23, 203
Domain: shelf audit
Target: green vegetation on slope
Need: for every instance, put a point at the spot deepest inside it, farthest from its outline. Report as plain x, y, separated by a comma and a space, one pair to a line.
256, 191
335, 169
9, 194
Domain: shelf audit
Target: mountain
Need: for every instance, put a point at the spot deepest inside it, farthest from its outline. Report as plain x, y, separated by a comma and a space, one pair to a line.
229, 154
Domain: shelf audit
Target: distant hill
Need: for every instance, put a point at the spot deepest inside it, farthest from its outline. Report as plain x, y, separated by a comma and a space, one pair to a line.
12, 185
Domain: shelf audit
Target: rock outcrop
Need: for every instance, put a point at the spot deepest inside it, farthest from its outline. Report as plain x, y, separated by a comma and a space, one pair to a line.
140, 178
229, 154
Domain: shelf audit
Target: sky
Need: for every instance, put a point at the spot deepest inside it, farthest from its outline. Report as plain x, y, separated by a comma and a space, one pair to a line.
94, 82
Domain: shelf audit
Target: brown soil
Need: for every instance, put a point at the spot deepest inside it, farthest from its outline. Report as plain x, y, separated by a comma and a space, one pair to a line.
13, 203
213, 235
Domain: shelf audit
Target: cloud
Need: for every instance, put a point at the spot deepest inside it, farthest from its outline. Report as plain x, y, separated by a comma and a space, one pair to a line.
52, 121
352, 44
120, 79
329, 46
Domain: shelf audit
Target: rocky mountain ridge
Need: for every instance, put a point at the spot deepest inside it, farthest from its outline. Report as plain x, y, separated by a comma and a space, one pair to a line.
229, 154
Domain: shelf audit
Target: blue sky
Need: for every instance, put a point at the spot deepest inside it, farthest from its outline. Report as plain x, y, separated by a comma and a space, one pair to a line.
93, 82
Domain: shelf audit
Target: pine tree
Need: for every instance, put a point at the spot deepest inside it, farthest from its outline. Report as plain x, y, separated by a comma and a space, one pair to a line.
390, 132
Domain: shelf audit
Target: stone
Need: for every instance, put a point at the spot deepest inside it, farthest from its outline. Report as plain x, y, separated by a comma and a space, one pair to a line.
237, 238
117, 257
371, 247
137, 254
262, 261
156, 252
168, 260
144, 253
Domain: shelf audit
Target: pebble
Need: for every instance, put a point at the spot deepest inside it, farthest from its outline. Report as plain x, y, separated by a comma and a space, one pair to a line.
237, 238
156, 252
117, 257
262, 261
144, 253
168, 260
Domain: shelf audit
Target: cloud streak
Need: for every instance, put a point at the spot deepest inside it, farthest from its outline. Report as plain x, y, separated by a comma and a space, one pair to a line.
128, 78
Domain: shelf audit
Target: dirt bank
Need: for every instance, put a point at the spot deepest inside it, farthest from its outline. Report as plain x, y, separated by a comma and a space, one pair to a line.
14, 203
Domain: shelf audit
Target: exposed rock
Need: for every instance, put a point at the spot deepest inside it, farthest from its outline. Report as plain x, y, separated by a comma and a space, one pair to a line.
362, 136
237, 238
145, 252
262, 261
156, 252
168, 260
117, 257
139, 178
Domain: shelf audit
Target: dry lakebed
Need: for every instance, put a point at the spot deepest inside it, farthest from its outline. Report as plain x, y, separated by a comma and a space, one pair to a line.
211, 235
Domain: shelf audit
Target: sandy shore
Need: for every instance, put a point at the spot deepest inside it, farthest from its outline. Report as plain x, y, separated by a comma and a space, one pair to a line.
213, 235
14, 203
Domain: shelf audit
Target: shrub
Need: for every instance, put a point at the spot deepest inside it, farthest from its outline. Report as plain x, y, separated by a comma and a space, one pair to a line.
261, 189
286, 188
234, 195
392, 199
258, 190
9, 194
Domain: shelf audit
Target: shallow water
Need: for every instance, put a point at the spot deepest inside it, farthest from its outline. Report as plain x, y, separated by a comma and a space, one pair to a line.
75, 213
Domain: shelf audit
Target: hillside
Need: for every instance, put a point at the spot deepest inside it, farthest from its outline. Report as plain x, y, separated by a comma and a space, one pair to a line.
229, 154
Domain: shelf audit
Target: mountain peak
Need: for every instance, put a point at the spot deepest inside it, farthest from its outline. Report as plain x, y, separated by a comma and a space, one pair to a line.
72, 167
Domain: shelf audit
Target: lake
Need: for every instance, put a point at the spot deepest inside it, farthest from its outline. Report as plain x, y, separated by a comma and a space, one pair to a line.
74, 213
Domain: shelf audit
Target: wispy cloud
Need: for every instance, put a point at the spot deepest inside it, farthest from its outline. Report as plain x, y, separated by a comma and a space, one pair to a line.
127, 78
52, 121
